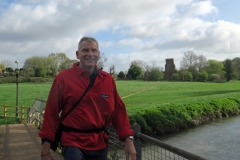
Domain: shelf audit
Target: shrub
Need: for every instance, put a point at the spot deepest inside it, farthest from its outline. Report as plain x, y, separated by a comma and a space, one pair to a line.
25, 79
202, 76
175, 77
173, 117
216, 78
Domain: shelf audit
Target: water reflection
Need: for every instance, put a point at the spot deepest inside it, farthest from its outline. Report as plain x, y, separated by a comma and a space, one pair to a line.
218, 140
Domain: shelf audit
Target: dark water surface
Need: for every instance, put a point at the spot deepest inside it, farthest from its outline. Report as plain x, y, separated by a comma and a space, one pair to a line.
217, 140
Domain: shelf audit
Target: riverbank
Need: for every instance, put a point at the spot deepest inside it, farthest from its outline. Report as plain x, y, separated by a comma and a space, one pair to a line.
171, 118
213, 140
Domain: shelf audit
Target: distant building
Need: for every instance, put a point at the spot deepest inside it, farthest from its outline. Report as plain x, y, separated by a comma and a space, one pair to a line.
170, 69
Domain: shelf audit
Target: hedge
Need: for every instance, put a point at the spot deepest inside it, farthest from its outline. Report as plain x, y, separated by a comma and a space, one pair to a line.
173, 117
25, 79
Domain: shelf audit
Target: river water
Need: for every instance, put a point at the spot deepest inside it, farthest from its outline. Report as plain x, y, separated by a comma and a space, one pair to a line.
216, 140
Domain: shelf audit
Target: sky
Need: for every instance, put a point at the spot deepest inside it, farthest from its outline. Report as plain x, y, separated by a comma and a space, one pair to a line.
147, 30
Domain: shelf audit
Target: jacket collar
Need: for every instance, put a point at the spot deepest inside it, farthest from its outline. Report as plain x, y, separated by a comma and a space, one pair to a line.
79, 70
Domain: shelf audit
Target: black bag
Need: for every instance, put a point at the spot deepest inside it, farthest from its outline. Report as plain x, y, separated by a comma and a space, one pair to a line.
57, 139
58, 134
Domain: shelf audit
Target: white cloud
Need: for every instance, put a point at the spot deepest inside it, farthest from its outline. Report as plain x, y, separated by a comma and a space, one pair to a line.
145, 30
202, 8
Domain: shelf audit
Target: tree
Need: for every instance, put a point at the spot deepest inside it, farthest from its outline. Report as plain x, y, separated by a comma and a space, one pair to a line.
185, 76
39, 66
214, 67
143, 65
112, 69
134, 72
194, 72
67, 64
7, 63
101, 60
139, 63
2, 66
9, 70
121, 75
202, 76
175, 77
236, 66
228, 68
40, 71
155, 74
201, 62
189, 59
60, 61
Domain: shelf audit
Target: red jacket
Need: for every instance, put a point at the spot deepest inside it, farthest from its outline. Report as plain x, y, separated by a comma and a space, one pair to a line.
101, 106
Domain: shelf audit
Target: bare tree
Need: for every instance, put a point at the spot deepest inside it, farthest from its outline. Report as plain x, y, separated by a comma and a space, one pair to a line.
154, 64
101, 61
112, 69
189, 59
7, 63
201, 62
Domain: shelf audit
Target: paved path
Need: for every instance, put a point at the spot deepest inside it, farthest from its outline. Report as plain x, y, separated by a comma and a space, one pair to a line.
21, 142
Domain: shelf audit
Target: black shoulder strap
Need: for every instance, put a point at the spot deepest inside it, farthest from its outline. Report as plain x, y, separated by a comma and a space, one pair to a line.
83, 95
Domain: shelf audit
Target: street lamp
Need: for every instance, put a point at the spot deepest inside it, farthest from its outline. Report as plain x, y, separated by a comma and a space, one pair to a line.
17, 89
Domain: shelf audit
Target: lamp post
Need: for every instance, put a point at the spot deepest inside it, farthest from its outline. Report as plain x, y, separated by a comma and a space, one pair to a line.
17, 89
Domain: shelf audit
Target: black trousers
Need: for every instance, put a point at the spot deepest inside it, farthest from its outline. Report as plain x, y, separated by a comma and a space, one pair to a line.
75, 153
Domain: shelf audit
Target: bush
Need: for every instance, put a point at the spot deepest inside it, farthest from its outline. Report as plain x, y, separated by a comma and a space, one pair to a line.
25, 79
215, 78
175, 77
202, 76
173, 117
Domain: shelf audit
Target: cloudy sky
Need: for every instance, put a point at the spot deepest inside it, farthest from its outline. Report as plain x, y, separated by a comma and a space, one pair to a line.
147, 30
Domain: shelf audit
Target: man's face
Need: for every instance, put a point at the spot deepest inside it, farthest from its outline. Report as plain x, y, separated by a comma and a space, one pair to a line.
88, 54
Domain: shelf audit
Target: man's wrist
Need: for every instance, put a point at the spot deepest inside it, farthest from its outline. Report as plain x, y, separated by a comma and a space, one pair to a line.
129, 137
46, 140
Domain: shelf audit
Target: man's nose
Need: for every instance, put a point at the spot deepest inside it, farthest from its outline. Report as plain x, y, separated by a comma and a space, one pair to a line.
90, 52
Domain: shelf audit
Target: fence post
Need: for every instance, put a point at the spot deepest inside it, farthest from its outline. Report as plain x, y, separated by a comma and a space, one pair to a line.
38, 122
5, 111
137, 141
22, 113
28, 117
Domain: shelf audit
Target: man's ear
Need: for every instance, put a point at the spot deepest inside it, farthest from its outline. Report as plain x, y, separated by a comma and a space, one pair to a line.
77, 53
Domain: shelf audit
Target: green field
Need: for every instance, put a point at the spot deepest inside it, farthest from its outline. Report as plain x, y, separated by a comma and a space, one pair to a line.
156, 94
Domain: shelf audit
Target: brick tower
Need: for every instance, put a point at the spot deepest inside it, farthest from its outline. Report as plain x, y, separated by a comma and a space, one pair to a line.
169, 69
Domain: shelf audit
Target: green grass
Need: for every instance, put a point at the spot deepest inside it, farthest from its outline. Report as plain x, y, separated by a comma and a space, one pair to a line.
27, 93
8, 120
159, 93
128, 87
170, 92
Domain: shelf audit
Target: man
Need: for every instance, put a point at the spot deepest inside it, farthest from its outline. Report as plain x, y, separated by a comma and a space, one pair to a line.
100, 107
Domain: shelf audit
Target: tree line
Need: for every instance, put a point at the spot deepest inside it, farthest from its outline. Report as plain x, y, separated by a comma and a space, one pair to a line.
192, 68
45, 66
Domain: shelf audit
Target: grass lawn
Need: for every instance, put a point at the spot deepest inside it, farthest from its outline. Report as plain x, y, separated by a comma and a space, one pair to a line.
27, 93
169, 92
157, 92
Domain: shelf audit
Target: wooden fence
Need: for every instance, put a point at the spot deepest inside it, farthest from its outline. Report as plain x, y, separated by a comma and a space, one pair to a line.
8, 112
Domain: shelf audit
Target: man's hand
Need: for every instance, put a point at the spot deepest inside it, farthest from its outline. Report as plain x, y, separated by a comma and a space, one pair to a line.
48, 157
130, 150
45, 153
